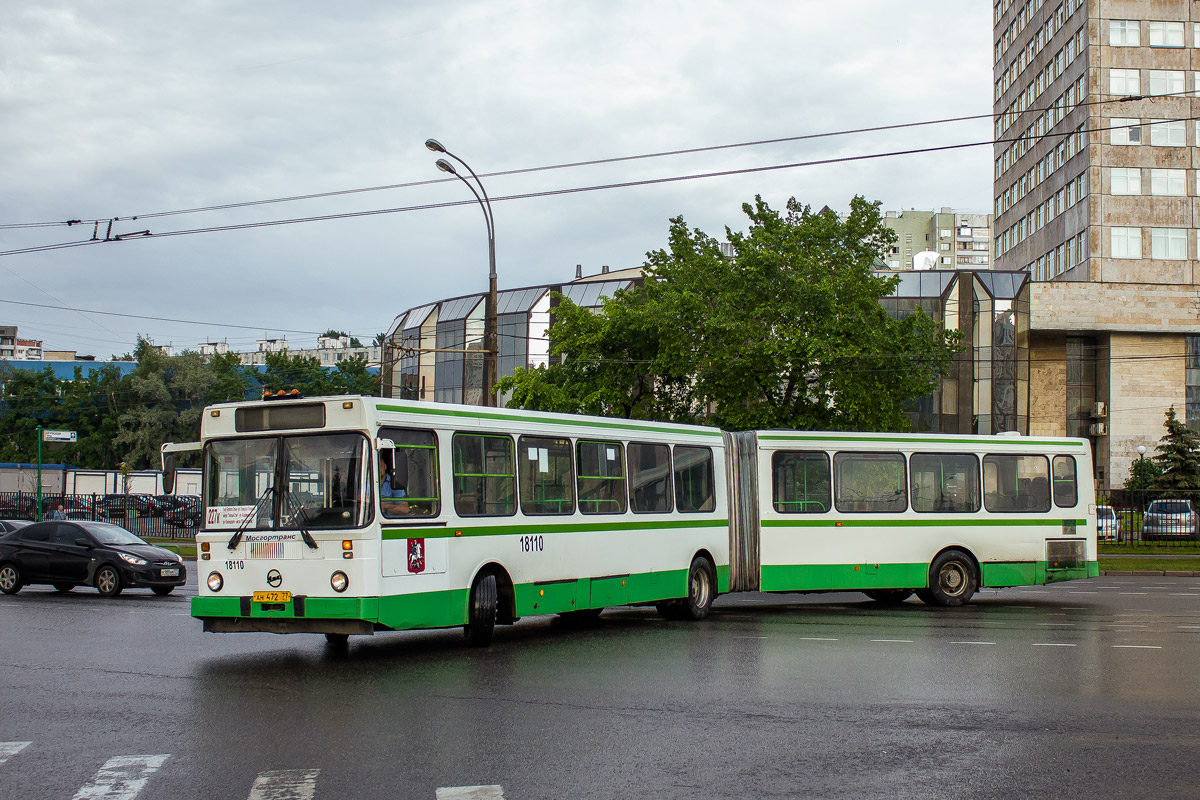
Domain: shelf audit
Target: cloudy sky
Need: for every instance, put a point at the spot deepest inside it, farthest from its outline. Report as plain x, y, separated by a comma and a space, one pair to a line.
119, 109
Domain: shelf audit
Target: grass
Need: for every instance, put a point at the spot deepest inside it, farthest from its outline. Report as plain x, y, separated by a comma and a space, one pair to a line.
1150, 563
185, 548
1150, 548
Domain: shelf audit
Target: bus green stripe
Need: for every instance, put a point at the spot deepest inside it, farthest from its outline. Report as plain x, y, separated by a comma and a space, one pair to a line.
581, 423
911, 522
413, 532
872, 438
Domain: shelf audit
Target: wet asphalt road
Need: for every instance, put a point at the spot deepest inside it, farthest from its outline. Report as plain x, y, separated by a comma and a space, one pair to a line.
1087, 689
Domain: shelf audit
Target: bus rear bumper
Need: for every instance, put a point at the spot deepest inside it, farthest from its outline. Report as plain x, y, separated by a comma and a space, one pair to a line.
356, 627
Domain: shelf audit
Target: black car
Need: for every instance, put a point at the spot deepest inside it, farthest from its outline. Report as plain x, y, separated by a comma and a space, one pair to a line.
186, 516
67, 554
8, 525
125, 506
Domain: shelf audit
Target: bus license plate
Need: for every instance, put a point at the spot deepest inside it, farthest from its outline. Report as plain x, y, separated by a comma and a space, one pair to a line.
272, 597
170, 573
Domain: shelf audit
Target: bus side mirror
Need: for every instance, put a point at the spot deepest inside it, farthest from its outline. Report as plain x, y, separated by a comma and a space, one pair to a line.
400, 469
170, 463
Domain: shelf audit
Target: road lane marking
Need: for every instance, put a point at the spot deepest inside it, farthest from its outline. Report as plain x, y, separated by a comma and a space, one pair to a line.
818, 639
492, 792
1132, 593
10, 749
1052, 644
285, 784
749, 637
1079, 592
1185, 594
1138, 646
121, 778
1125, 624
1189, 627
894, 641
1057, 624
972, 643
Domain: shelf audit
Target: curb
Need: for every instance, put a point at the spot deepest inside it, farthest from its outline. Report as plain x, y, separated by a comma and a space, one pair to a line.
1150, 573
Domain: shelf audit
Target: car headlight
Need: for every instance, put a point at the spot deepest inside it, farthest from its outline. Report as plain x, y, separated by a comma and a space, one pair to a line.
215, 581
137, 562
339, 581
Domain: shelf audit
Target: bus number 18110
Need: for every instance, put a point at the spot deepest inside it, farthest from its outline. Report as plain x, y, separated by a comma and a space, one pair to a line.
531, 544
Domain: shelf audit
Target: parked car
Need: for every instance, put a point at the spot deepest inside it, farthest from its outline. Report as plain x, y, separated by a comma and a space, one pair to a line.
1108, 524
186, 516
69, 503
15, 507
67, 554
124, 506
166, 503
10, 525
1169, 519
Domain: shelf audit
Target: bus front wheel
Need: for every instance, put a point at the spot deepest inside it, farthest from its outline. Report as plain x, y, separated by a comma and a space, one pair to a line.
953, 580
481, 611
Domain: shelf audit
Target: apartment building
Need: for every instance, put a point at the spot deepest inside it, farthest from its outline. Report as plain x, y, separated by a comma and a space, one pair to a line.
943, 239
1098, 134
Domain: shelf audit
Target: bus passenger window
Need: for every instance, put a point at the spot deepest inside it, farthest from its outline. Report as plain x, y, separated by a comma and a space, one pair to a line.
944, 482
694, 479
1066, 493
650, 478
1016, 484
485, 482
546, 476
601, 477
415, 464
800, 482
870, 482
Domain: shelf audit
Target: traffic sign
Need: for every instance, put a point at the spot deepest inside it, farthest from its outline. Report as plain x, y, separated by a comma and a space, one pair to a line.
58, 436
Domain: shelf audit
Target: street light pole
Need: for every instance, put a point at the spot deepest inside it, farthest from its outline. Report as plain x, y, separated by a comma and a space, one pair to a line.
1141, 451
491, 363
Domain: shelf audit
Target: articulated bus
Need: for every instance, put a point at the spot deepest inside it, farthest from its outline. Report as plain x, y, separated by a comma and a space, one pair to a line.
352, 515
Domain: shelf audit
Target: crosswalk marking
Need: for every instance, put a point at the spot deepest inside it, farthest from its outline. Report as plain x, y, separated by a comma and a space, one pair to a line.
121, 778
10, 749
285, 784
492, 792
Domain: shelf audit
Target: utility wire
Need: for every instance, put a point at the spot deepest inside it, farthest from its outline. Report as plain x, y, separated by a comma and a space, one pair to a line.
587, 163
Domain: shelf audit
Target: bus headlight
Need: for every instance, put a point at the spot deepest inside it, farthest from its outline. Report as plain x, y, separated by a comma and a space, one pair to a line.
215, 581
337, 580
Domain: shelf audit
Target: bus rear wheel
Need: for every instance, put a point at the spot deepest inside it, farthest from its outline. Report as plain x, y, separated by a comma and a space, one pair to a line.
889, 597
481, 611
953, 580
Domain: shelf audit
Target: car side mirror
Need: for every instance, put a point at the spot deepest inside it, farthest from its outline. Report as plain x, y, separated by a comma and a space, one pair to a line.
81, 542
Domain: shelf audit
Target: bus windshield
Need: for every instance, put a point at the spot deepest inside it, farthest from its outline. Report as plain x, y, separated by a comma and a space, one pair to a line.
311, 482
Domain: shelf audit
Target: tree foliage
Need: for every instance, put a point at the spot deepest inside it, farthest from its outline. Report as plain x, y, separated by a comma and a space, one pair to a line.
788, 332
126, 418
1176, 457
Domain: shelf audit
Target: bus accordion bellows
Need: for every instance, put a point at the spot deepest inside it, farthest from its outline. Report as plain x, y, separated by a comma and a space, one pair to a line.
352, 515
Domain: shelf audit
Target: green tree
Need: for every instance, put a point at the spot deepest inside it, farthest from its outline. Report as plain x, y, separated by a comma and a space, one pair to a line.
788, 332
171, 392
1176, 457
231, 381
305, 373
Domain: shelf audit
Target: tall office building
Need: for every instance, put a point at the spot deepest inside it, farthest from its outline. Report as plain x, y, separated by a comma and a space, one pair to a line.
1097, 106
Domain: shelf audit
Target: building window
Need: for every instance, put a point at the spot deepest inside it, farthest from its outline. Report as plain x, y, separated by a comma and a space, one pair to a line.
1123, 81
1191, 381
1124, 130
1123, 32
1125, 180
1080, 383
1165, 81
1126, 242
1170, 182
1168, 243
1165, 34
1196, 34
1168, 134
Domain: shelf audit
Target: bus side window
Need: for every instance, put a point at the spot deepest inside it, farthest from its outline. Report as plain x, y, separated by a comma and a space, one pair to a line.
650, 478
694, 479
944, 482
1016, 484
485, 481
547, 480
1066, 492
415, 461
601, 477
800, 482
870, 482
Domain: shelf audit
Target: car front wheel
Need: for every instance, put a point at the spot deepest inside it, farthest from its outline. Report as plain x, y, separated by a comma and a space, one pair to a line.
108, 581
10, 579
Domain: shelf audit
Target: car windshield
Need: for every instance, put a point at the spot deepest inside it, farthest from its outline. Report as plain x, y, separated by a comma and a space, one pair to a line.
106, 533
1105, 512
1170, 506
324, 481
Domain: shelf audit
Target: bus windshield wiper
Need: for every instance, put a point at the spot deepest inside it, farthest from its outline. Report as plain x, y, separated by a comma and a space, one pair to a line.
301, 516
241, 529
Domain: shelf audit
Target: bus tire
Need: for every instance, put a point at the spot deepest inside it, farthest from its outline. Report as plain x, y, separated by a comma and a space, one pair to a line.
702, 589
953, 579
889, 597
338, 641
481, 611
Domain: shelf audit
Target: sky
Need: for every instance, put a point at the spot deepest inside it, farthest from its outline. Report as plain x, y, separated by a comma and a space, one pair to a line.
124, 109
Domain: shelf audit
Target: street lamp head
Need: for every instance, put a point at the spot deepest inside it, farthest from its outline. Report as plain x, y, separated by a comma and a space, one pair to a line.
445, 166
435, 145
1141, 448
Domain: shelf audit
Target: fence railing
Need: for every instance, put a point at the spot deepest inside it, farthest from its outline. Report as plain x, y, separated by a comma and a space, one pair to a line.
1150, 517
161, 517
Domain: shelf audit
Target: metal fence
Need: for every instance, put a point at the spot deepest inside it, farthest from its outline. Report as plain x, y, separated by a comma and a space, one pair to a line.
144, 515
1149, 517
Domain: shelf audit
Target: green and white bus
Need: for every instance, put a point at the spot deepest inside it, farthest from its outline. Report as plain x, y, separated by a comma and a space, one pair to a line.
353, 515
